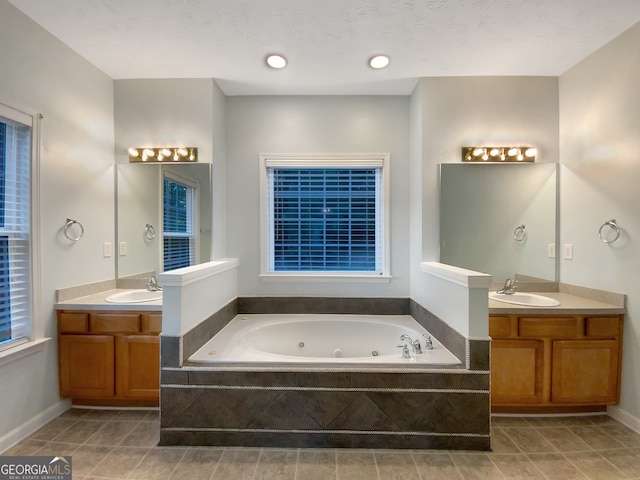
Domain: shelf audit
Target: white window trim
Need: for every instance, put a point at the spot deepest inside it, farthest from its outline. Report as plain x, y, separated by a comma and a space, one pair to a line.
37, 340
326, 160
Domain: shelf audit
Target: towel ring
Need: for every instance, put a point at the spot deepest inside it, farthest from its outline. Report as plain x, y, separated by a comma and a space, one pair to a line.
519, 233
68, 225
611, 224
149, 232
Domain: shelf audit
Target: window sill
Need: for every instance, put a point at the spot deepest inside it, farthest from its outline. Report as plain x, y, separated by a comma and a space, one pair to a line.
20, 351
319, 277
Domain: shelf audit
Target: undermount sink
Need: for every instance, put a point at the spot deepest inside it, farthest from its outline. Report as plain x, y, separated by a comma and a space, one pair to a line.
524, 298
134, 296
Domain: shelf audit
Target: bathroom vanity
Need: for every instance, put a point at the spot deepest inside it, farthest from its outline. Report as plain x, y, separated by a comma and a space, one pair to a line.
556, 359
109, 354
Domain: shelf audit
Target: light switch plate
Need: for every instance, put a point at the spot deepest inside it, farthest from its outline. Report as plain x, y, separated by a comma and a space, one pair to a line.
567, 251
107, 249
122, 249
551, 250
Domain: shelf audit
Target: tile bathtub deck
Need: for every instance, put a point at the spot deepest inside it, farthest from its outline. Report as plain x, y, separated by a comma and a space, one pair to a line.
122, 444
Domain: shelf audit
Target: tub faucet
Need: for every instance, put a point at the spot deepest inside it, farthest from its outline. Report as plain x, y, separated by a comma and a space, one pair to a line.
509, 288
152, 284
415, 344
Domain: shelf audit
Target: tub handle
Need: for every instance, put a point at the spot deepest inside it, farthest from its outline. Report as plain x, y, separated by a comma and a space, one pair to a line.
428, 343
405, 351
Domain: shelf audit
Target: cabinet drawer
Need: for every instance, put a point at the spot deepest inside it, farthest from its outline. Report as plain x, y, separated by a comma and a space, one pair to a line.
151, 323
499, 327
73, 322
114, 323
600, 327
556, 327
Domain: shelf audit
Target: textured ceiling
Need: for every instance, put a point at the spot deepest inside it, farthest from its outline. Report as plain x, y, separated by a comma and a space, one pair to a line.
328, 42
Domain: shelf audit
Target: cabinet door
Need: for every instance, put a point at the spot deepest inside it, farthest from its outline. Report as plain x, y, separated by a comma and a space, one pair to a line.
585, 371
138, 366
86, 366
516, 372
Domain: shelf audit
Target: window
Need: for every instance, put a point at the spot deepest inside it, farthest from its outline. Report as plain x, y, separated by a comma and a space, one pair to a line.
325, 215
17, 160
179, 222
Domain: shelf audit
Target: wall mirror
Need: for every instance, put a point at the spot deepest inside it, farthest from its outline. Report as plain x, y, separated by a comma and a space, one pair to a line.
500, 219
139, 210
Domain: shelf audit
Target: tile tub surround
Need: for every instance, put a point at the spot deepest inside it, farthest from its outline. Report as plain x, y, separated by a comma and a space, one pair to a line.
324, 406
298, 407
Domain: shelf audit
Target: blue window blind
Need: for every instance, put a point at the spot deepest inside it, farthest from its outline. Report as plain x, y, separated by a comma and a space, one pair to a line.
178, 231
15, 221
324, 219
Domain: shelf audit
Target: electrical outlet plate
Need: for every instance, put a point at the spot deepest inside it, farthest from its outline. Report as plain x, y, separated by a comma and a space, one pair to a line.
122, 249
107, 249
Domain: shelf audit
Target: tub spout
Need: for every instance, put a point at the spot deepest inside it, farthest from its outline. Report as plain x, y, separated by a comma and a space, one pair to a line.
415, 344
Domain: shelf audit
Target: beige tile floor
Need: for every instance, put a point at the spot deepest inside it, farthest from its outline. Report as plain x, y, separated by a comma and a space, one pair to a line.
121, 444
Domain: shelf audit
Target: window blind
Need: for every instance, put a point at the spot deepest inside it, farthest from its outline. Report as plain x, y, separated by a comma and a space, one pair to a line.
178, 228
325, 219
15, 221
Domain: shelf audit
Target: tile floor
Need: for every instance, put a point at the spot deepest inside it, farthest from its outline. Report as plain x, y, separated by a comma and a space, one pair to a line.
121, 444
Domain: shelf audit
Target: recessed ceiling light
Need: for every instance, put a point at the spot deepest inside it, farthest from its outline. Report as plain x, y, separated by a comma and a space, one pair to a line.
379, 61
276, 61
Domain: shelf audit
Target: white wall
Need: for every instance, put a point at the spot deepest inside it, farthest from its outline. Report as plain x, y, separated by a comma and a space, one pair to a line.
177, 112
448, 113
219, 175
329, 124
599, 153
164, 112
77, 178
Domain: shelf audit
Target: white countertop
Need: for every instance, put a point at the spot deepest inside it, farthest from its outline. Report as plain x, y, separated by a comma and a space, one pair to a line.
97, 302
569, 305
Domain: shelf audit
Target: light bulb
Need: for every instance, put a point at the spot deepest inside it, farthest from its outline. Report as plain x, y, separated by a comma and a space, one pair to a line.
147, 152
133, 152
165, 152
530, 152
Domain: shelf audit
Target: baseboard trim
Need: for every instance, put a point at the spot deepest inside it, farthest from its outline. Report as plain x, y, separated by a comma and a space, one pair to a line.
624, 417
41, 419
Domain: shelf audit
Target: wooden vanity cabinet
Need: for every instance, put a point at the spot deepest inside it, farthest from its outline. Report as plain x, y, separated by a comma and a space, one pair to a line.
557, 363
109, 358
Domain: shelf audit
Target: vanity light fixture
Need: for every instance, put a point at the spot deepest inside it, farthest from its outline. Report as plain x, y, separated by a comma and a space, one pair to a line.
499, 154
276, 61
379, 61
156, 155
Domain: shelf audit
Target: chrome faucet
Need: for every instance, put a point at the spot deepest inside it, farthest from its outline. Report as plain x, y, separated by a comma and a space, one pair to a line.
415, 344
152, 284
405, 351
509, 288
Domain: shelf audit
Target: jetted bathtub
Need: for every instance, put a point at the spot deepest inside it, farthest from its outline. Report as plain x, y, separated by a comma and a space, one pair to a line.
277, 338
